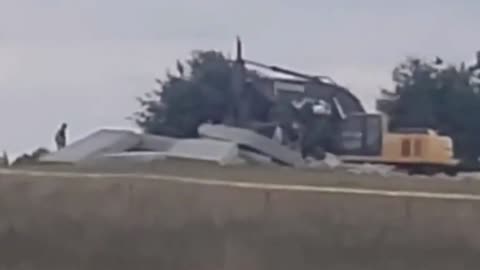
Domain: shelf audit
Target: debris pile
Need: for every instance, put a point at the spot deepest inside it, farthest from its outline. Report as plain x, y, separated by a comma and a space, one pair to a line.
221, 152
383, 170
99, 143
251, 141
329, 162
220, 144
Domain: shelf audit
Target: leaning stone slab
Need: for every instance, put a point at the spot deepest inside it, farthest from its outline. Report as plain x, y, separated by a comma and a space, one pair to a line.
101, 142
250, 140
221, 152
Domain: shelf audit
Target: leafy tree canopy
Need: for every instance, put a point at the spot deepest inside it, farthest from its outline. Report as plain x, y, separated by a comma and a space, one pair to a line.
197, 94
438, 96
426, 94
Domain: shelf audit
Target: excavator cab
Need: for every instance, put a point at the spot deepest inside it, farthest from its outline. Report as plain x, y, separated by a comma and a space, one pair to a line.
360, 134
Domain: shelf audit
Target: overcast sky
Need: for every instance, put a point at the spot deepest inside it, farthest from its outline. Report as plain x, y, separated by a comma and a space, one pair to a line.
85, 61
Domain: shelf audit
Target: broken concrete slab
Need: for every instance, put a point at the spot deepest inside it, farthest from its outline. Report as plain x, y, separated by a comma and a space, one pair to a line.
151, 142
248, 139
101, 142
329, 162
332, 161
255, 158
378, 169
221, 152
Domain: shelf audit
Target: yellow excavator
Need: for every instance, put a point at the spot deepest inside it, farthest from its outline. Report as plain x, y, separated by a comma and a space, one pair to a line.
418, 151
357, 136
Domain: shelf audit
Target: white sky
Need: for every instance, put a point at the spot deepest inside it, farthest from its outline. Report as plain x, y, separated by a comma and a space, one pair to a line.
85, 61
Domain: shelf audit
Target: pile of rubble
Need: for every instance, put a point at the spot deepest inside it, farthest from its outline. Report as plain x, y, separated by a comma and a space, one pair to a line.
218, 143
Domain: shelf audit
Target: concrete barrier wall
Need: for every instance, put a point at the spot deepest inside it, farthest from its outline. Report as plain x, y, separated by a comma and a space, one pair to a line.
132, 223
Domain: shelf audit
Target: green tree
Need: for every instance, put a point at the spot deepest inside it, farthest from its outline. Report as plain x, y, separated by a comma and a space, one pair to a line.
439, 97
197, 94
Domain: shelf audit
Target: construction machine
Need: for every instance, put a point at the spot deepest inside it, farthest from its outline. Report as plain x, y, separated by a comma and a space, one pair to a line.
329, 117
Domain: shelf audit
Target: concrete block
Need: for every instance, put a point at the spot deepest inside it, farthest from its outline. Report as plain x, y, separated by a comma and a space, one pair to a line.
220, 152
150, 142
98, 143
251, 140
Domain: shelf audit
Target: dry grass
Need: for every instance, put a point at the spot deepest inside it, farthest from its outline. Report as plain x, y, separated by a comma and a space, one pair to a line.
82, 223
282, 175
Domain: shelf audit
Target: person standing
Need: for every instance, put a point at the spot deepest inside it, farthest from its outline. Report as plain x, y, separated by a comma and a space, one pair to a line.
61, 137
4, 162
